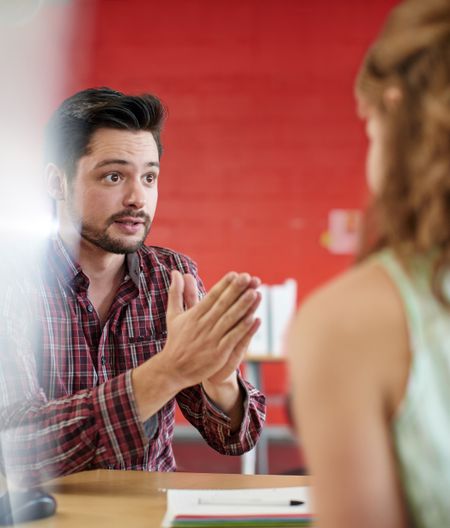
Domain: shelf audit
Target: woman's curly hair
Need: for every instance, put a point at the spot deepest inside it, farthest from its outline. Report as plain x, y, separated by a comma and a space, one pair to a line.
411, 213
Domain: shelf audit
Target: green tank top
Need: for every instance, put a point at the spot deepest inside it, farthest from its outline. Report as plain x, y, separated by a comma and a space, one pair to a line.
421, 428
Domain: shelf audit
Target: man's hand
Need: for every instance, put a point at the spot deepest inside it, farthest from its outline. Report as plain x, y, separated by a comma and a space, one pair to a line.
207, 340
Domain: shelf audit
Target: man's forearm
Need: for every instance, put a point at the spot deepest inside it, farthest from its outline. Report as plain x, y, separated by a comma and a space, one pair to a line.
43, 440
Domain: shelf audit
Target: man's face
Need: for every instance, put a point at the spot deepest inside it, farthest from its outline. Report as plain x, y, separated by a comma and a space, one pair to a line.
112, 198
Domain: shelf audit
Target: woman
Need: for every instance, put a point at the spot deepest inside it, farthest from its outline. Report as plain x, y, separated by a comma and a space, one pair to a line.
370, 352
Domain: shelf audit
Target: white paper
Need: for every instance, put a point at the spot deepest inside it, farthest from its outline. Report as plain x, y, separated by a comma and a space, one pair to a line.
186, 502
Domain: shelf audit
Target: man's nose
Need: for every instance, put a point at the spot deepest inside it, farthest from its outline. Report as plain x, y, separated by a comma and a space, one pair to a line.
134, 195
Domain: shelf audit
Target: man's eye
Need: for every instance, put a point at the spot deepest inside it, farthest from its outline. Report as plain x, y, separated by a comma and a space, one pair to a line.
112, 177
150, 178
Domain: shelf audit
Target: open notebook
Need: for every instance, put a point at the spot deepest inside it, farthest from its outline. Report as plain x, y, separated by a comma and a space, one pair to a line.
275, 507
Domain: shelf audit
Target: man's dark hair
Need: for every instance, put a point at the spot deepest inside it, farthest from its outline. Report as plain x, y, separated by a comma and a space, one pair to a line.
71, 127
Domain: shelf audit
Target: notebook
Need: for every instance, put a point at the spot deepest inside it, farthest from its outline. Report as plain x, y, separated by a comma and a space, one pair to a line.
265, 507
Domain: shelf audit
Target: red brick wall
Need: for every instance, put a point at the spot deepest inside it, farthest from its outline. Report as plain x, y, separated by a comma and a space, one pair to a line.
262, 138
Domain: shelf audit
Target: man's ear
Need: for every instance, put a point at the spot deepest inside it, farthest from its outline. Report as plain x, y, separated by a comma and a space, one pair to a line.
56, 183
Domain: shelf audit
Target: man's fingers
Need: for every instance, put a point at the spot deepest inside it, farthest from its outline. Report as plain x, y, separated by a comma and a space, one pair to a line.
215, 292
190, 290
255, 282
256, 303
239, 332
241, 348
175, 295
238, 354
224, 293
245, 306
224, 306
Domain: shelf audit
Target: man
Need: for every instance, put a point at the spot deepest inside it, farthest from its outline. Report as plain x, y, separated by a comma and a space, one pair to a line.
122, 330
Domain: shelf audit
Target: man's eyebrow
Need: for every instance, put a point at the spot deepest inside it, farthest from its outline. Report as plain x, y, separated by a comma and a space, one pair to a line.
105, 162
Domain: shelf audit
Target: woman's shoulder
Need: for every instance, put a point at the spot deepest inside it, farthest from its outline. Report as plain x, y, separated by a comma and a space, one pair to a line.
364, 295
354, 326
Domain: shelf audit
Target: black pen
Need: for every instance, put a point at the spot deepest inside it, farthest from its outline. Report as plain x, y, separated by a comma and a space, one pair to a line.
249, 502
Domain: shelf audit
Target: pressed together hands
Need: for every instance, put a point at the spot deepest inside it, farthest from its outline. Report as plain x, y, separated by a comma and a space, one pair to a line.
206, 342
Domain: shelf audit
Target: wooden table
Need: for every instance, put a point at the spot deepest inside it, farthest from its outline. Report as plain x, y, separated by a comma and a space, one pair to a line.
132, 499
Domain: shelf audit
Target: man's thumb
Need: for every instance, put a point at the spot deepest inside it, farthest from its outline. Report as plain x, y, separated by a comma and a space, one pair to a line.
175, 296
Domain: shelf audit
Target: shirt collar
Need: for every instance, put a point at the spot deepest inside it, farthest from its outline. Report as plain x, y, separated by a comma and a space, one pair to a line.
67, 270
70, 272
134, 267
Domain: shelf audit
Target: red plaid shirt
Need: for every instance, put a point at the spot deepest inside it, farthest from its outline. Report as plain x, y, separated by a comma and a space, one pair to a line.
68, 402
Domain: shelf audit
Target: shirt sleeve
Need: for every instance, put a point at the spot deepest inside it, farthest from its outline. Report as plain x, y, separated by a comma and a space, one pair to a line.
212, 423
42, 439
215, 426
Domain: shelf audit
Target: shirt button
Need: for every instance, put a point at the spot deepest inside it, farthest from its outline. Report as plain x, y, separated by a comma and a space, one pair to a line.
90, 308
103, 360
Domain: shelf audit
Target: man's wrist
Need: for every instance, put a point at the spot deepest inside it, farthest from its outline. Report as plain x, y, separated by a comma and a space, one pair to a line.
226, 394
153, 387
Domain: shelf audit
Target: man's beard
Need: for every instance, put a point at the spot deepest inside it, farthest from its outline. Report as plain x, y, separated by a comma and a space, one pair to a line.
101, 239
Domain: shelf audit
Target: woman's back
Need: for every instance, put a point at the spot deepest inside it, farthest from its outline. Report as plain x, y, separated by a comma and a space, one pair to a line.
371, 391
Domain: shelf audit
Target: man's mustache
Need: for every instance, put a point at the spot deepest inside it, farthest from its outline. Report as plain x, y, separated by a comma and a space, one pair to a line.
129, 214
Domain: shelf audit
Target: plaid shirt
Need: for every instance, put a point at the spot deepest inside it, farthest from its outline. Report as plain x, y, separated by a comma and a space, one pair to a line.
69, 405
